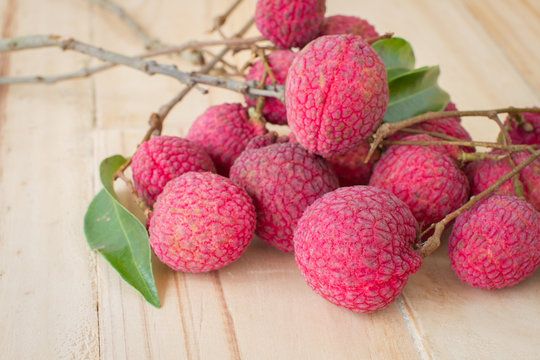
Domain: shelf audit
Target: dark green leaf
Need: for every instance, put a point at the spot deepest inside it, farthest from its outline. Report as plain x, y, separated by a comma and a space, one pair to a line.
119, 236
397, 55
414, 93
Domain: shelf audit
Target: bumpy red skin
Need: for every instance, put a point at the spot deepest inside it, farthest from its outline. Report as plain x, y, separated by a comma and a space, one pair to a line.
426, 178
201, 222
519, 133
445, 126
283, 180
483, 174
280, 61
354, 247
163, 158
266, 139
336, 94
351, 168
495, 244
290, 23
224, 131
341, 24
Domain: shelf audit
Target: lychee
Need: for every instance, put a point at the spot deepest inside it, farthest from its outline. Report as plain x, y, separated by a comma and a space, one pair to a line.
289, 23
482, 174
351, 168
266, 139
354, 247
336, 94
283, 180
163, 158
495, 244
426, 178
279, 61
201, 222
341, 24
224, 131
525, 129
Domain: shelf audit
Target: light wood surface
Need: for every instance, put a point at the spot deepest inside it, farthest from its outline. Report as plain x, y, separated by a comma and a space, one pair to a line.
59, 300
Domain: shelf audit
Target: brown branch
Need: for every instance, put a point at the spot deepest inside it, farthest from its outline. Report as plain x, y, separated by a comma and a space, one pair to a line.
220, 20
433, 242
373, 40
458, 142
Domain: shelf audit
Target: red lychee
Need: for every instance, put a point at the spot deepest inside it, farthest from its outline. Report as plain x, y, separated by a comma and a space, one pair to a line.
289, 23
525, 130
341, 24
163, 158
279, 61
336, 94
495, 244
426, 178
354, 247
283, 180
482, 174
224, 131
351, 168
201, 222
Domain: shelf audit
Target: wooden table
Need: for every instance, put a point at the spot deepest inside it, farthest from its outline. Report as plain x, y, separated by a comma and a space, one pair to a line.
60, 300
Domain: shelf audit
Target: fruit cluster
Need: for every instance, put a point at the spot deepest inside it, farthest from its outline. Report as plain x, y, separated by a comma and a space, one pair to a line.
353, 226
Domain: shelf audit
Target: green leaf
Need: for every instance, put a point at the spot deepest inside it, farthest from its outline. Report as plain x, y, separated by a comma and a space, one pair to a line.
414, 93
119, 236
397, 55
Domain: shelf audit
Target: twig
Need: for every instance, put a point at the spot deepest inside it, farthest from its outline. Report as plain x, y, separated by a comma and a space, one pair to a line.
373, 40
220, 20
433, 242
190, 45
458, 142
149, 67
388, 129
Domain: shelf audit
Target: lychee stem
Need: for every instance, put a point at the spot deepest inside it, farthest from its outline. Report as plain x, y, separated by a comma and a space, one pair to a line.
433, 242
513, 148
373, 40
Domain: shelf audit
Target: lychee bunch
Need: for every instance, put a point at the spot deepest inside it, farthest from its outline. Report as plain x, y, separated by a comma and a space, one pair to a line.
495, 244
354, 247
342, 24
224, 131
279, 61
482, 174
289, 23
426, 178
336, 94
201, 222
283, 180
525, 129
163, 158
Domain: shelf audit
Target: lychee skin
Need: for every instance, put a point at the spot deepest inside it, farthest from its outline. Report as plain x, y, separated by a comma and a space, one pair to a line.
341, 24
163, 158
482, 174
283, 180
289, 23
224, 131
351, 168
495, 244
528, 132
336, 94
426, 178
201, 222
354, 247
269, 138
279, 61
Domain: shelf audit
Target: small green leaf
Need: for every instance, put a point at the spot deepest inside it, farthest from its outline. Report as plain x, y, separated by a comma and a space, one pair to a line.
414, 93
119, 236
397, 55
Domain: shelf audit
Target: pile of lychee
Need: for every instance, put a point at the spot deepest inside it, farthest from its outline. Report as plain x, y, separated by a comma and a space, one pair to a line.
352, 226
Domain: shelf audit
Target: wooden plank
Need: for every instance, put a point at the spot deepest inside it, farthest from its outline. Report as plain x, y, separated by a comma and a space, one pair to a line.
47, 274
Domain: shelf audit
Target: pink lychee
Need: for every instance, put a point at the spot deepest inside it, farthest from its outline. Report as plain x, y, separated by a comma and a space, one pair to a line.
283, 180
495, 244
279, 61
336, 94
351, 168
201, 222
163, 158
482, 174
426, 178
341, 24
224, 131
525, 130
354, 247
289, 23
